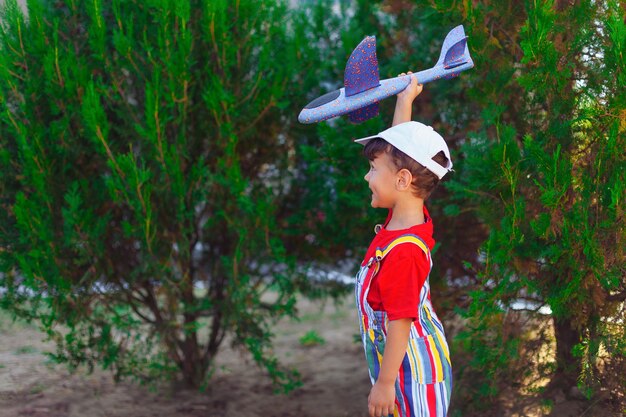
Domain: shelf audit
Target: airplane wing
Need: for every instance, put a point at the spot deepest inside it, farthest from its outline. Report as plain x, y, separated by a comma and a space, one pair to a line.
361, 74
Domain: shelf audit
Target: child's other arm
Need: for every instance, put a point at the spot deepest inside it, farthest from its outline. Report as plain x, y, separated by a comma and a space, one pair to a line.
404, 102
383, 394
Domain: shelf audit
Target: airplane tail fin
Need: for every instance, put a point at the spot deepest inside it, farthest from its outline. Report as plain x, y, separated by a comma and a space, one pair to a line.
456, 55
454, 51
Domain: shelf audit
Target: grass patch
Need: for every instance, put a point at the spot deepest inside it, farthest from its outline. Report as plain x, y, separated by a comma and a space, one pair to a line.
25, 350
37, 388
547, 405
312, 338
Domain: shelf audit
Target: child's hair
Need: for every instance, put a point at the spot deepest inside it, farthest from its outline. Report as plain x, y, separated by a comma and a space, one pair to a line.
424, 180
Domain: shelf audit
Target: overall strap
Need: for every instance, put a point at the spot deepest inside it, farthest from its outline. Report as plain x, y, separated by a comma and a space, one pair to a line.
362, 290
408, 238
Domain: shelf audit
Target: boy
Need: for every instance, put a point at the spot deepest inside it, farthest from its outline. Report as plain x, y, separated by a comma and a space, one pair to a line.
404, 341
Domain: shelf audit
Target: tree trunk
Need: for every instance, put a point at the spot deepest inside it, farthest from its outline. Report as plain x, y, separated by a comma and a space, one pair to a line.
567, 365
194, 367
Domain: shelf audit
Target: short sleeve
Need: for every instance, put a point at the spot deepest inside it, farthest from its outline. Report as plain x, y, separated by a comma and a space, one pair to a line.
400, 281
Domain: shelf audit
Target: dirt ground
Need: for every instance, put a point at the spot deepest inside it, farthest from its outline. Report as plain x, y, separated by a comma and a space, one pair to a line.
335, 382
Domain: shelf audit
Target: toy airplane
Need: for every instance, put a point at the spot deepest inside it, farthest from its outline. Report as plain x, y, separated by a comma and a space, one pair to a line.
362, 86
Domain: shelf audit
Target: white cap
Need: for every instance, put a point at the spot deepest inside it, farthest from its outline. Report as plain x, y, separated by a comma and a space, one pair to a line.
418, 141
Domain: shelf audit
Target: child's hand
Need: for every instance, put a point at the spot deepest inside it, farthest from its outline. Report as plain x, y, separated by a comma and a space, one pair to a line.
411, 91
404, 103
381, 400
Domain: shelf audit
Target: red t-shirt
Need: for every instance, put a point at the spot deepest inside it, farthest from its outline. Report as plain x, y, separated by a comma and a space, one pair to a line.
397, 286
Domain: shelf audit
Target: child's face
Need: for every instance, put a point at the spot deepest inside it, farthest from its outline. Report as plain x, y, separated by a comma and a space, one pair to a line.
381, 179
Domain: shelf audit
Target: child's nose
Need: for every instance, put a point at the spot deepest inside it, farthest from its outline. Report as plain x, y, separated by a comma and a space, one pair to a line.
366, 177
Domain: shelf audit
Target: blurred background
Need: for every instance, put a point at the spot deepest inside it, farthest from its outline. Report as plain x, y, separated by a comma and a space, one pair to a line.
173, 241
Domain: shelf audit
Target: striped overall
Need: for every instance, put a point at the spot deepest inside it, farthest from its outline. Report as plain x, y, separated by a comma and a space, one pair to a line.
424, 381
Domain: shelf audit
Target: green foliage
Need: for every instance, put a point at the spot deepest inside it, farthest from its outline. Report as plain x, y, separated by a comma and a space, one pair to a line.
544, 172
146, 178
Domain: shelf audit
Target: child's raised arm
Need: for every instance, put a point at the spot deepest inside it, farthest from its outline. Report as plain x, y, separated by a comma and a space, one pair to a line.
404, 102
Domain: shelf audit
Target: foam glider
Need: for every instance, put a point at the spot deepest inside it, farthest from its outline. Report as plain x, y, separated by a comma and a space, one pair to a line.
362, 86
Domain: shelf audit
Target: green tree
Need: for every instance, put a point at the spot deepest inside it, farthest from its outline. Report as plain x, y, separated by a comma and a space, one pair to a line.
538, 127
544, 171
144, 159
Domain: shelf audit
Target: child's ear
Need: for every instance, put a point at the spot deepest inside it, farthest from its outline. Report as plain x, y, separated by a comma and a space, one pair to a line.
404, 179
